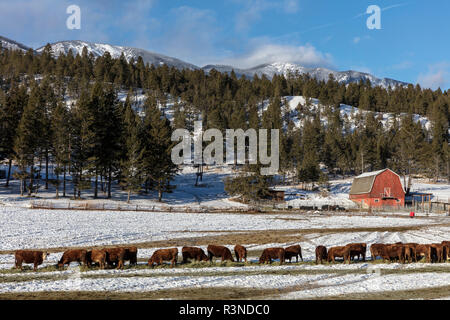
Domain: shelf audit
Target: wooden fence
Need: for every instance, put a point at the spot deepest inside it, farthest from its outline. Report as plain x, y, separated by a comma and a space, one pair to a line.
112, 206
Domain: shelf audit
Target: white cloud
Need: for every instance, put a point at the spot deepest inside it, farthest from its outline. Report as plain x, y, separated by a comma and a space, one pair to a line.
191, 37
291, 6
358, 39
305, 55
252, 10
436, 77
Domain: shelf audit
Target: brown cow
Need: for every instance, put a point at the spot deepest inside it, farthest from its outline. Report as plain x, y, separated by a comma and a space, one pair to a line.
29, 256
240, 252
425, 251
393, 251
272, 253
321, 254
131, 255
375, 250
410, 252
357, 249
341, 251
437, 252
193, 253
293, 251
75, 255
219, 252
115, 256
446, 245
96, 256
164, 255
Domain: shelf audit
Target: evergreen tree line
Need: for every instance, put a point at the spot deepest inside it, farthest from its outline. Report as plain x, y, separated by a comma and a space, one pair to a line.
95, 140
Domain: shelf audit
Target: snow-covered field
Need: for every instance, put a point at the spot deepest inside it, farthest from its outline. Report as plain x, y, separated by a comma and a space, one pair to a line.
28, 228
33, 228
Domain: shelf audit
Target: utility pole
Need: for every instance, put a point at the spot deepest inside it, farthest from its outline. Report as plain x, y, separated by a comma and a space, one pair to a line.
362, 162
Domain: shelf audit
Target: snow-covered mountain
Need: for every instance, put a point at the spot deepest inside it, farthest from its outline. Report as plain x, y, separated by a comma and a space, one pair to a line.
12, 45
98, 49
270, 69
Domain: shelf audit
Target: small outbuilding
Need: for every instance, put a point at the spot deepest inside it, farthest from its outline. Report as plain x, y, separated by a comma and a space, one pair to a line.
378, 189
276, 195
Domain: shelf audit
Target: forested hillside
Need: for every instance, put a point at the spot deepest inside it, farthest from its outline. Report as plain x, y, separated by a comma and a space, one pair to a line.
65, 111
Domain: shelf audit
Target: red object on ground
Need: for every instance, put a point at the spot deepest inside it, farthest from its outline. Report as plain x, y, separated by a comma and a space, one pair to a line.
412, 214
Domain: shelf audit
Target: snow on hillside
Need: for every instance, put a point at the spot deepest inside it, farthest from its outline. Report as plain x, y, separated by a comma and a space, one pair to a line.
346, 111
321, 74
12, 45
98, 49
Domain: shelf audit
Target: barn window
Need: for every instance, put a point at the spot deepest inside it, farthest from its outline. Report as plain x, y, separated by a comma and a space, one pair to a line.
377, 200
398, 200
387, 192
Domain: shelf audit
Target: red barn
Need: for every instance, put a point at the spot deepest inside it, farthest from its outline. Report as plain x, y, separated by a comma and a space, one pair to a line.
378, 189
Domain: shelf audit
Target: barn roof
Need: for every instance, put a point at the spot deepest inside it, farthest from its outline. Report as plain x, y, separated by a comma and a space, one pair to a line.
364, 182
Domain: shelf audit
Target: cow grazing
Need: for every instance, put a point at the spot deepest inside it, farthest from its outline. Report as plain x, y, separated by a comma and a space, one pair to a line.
161, 255
272, 253
357, 250
193, 253
393, 252
96, 256
423, 250
131, 255
437, 252
75, 255
293, 251
340, 252
410, 252
375, 250
219, 252
446, 245
29, 256
115, 256
240, 252
321, 254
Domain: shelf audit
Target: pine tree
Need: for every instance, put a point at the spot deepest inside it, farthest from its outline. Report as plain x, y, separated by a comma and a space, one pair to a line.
82, 144
12, 104
132, 177
249, 184
158, 167
26, 143
60, 144
312, 139
107, 132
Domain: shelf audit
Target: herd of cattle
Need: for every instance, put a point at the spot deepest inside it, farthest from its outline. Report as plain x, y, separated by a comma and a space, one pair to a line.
116, 257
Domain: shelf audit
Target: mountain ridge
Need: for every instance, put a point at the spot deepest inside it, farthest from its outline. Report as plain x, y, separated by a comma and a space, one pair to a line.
11, 44
270, 69
266, 69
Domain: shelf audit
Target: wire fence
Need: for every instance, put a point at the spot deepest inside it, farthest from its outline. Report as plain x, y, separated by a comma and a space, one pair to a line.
274, 207
112, 206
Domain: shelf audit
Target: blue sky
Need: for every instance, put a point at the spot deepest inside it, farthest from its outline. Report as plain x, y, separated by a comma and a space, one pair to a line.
411, 46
